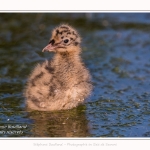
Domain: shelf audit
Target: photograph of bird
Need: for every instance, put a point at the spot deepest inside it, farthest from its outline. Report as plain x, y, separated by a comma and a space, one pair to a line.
63, 82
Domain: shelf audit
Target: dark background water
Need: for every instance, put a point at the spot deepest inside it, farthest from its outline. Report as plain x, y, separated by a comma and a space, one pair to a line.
116, 49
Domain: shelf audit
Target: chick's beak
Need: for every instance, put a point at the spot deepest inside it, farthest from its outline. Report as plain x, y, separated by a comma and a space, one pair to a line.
49, 48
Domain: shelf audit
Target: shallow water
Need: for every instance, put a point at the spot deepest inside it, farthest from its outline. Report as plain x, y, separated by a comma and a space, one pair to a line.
116, 49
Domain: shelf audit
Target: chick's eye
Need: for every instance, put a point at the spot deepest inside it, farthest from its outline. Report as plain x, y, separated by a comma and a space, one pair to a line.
66, 41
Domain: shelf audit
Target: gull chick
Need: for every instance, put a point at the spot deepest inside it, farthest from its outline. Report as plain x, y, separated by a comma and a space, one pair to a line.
63, 82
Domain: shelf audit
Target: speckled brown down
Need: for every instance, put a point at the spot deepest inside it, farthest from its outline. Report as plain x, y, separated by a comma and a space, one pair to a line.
64, 82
